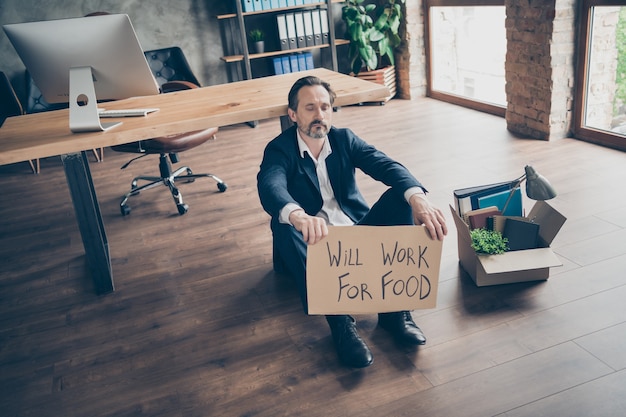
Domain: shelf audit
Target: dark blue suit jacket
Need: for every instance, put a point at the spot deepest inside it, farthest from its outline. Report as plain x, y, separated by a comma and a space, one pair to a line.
285, 177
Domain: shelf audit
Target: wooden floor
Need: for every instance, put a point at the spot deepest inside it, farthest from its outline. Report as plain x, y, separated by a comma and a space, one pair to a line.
199, 324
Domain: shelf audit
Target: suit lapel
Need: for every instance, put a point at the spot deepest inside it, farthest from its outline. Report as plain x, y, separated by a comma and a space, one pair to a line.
333, 167
308, 167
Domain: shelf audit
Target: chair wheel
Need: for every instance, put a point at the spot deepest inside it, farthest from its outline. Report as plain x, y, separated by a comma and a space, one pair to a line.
182, 208
125, 209
222, 186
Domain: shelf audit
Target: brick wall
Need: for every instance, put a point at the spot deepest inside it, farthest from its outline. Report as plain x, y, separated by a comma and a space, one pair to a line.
540, 67
411, 56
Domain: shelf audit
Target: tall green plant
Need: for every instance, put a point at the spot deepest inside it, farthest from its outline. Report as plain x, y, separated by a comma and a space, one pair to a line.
372, 30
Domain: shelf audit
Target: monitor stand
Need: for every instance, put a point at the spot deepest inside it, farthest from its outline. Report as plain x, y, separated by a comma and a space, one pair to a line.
83, 103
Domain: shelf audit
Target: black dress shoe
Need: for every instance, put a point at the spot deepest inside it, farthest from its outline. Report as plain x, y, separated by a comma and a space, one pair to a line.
351, 349
401, 325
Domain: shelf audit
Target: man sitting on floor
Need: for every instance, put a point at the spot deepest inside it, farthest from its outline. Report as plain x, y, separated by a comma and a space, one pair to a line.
307, 181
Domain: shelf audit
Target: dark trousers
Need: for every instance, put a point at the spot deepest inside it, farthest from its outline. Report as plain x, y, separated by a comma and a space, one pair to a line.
290, 249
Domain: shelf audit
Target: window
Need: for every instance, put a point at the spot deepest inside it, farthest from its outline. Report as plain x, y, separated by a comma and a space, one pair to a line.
600, 115
466, 50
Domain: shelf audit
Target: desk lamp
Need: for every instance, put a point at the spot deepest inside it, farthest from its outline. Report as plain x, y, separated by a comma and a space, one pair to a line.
537, 186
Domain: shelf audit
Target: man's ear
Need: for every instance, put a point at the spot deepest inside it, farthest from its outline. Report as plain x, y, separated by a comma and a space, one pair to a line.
292, 114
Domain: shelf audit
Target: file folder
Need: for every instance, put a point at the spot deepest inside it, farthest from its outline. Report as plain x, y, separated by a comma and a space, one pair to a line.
463, 196
281, 22
286, 66
282, 3
301, 62
317, 27
293, 63
308, 56
291, 31
308, 28
266, 4
275, 4
257, 5
300, 37
324, 23
278, 65
248, 6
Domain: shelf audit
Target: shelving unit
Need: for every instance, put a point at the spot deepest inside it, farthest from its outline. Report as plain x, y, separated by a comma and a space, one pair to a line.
236, 25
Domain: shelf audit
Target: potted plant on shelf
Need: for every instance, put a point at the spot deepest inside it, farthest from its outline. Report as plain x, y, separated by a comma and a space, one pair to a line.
257, 37
372, 28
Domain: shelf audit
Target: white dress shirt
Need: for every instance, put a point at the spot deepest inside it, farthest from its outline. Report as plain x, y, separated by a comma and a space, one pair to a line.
331, 212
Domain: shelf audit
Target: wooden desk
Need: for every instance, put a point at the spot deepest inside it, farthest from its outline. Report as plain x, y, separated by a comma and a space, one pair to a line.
47, 134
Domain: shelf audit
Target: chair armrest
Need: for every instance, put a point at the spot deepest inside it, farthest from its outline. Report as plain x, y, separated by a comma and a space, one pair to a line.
170, 86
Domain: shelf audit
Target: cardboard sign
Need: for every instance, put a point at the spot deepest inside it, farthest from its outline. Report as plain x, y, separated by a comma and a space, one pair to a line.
373, 269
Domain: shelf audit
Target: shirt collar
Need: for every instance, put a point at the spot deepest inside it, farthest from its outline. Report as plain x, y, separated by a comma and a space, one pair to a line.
303, 147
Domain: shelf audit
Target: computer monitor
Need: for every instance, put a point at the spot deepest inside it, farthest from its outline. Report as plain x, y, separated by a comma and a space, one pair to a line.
84, 60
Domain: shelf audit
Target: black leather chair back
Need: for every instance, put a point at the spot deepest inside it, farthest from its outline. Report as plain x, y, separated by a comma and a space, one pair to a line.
170, 64
9, 103
35, 102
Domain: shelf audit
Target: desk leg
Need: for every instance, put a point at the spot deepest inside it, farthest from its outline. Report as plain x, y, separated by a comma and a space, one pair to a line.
89, 220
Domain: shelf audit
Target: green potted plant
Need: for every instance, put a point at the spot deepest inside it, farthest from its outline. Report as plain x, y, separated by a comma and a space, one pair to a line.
372, 29
257, 37
488, 242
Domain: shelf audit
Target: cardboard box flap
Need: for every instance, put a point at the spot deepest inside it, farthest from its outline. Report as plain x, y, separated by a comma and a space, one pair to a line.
519, 260
549, 219
461, 226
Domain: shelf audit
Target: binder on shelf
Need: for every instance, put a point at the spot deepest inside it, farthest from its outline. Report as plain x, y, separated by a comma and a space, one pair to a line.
248, 6
266, 4
291, 3
324, 23
282, 3
308, 28
281, 22
275, 4
299, 2
258, 5
286, 66
278, 65
302, 62
317, 27
300, 37
293, 63
308, 56
291, 31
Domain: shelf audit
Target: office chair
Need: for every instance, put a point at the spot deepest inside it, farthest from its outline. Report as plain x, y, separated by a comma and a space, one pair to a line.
10, 106
36, 103
172, 72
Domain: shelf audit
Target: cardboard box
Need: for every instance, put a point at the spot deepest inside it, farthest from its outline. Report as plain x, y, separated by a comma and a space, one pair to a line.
514, 266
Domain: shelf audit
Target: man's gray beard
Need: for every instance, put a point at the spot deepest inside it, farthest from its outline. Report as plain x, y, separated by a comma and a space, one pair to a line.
318, 134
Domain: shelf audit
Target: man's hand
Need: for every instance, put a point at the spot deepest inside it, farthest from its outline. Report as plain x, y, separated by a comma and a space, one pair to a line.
431, 217
313, 228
